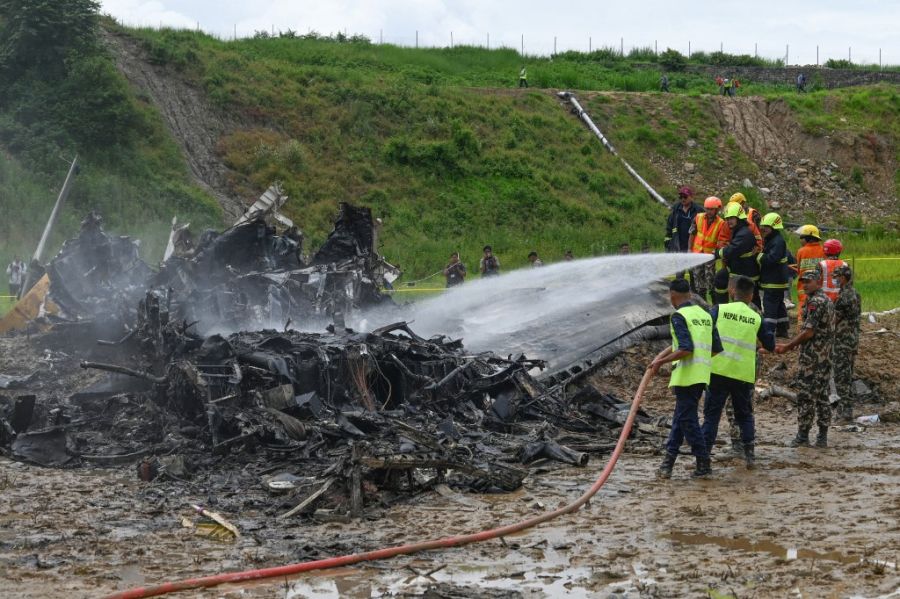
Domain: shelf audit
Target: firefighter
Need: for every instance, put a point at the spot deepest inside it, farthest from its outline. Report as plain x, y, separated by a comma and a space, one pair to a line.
832, 249
773, 279
808, 257
704, 235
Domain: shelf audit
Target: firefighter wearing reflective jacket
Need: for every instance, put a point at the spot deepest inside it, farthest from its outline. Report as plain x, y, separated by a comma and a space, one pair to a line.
739, 254
740, 329
826, 267
808, 257
694, 342
815, 339
704, 236
773, 279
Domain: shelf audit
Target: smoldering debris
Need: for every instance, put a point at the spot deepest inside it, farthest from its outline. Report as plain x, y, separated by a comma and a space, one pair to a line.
210, 387
377, 416
246, 277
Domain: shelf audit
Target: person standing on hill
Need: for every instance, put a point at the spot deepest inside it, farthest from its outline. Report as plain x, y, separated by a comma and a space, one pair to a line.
694, 342
847, 311
740, 329
523, 77
773, 279
16, 276
489, 265
808, 257
455, 271
664, 83
681, 218
801, 83
816, 342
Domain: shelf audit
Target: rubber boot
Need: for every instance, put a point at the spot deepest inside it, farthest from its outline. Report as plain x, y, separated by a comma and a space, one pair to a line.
665, 469
749, 456
822, 437
703, 469
801, 440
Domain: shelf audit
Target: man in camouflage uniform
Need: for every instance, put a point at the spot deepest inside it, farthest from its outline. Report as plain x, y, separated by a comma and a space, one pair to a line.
815, 339
847, 308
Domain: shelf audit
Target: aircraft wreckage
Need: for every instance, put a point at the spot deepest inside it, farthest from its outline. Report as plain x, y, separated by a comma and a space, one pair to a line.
206, 369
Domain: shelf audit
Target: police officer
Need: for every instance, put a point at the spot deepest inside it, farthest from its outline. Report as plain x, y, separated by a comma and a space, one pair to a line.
815, 339
740, 328
847, 308
694, 341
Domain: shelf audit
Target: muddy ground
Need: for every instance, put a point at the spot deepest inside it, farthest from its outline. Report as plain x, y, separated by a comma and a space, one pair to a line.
806, 523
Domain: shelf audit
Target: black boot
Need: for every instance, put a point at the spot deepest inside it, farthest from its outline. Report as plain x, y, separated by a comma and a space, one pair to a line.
737, 446
665, 469
703, 469
749, 456
801, 440
822, 438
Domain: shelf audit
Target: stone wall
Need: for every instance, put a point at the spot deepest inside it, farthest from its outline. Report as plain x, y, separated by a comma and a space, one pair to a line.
824, 77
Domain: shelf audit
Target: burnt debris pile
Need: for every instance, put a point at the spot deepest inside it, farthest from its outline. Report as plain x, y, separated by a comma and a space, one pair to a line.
208, 383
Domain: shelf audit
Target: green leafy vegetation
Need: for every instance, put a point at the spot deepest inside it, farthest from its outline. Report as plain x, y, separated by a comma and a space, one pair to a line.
61, 95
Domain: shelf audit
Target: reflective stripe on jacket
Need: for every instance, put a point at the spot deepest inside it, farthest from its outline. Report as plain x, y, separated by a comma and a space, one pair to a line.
696, 368
707, 235
738, 324
826, 267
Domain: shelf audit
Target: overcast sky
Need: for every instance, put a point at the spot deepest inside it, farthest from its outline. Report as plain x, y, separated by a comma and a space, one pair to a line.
835, 26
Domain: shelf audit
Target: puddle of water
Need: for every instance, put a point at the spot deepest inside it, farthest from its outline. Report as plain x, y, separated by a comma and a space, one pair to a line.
741, 544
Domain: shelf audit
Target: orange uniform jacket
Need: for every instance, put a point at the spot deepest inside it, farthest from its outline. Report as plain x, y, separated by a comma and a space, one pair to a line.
808, 257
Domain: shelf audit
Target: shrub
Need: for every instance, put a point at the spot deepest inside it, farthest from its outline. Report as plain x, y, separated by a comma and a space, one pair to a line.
672, 60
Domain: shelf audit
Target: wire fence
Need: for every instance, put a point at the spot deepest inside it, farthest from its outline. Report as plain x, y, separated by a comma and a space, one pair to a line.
803, 54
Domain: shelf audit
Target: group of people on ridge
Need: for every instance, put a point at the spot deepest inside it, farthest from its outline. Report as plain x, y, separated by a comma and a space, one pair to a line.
716, 351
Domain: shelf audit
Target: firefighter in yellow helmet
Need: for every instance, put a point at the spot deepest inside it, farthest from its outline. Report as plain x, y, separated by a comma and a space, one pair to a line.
773, 274
808, 257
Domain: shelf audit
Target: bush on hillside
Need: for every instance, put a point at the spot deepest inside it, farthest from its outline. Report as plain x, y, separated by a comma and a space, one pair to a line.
672, 60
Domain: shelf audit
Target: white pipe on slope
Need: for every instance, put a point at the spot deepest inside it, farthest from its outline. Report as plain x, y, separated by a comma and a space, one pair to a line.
584, 116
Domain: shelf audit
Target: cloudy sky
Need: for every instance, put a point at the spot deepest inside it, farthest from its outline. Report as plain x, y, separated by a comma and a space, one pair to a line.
833, 25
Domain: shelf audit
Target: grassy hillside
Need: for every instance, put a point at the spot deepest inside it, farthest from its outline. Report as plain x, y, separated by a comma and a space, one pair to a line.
61, 95
437, 141
442, 147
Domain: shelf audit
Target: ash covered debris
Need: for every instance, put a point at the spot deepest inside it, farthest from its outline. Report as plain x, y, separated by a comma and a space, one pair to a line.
377, 416
210, 383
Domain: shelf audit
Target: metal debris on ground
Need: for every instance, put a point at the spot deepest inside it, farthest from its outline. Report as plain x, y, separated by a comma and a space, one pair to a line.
209, 388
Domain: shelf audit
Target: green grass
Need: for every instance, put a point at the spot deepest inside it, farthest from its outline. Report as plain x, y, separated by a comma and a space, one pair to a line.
434, 140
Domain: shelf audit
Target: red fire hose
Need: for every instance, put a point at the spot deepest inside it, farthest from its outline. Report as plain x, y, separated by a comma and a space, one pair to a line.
346, 560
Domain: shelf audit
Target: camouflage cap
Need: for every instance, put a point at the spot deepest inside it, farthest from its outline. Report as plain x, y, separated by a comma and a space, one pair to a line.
843, 271
811, 275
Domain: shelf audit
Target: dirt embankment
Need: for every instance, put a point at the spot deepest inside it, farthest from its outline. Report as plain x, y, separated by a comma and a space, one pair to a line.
195, 125
850, 174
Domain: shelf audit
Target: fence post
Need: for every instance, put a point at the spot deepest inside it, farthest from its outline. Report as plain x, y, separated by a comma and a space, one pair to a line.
380, 36
755, 50
590, 44
787, 54
621, 46
817, 55
523, 44
655, 48
850, 54
689, 49
554, 44
721, 47
451, 40
417, 38
488, 41
234, 36
880, 66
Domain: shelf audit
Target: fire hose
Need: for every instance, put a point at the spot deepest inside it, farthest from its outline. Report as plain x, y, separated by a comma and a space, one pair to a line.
388, 552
